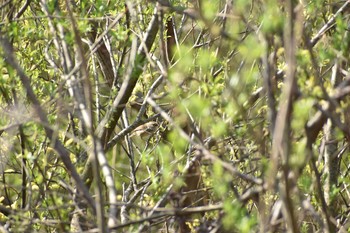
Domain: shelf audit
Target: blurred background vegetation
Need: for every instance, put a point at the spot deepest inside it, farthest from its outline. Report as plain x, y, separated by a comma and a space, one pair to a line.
174, 116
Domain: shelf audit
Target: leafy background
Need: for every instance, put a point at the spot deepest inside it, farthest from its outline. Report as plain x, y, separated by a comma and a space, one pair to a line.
174, 116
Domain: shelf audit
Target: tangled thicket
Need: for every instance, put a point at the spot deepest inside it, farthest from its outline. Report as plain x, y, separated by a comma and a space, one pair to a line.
174, 116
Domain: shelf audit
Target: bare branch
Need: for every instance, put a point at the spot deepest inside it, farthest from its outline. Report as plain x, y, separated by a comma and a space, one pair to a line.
328, 25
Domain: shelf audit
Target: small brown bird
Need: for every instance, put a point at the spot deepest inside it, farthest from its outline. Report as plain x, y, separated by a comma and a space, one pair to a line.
146, 129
